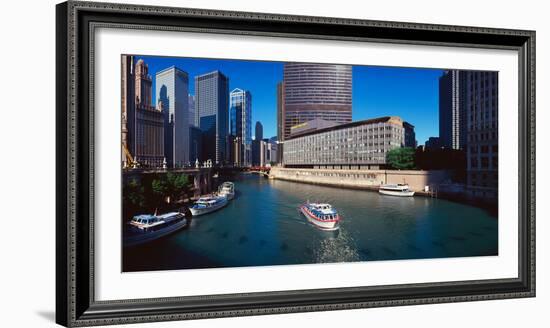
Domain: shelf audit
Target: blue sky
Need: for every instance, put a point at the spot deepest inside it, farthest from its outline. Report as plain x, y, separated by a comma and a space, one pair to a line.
411, 93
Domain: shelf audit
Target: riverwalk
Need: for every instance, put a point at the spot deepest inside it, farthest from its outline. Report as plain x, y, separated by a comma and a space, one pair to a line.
364, 179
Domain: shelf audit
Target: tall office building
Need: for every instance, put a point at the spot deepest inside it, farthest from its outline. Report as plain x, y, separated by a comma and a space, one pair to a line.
256, 144
191, 110
142, 128
280, 112
211, 114
280, 120
316, 91
452, 110
258, 131
172, 90
195, 144
240, 116
128, 104
482, 117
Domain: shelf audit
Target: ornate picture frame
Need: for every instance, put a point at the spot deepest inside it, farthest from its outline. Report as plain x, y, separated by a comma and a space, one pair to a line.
77, 22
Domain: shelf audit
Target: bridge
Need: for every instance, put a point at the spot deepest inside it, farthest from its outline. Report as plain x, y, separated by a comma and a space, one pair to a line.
202, 176
262, 170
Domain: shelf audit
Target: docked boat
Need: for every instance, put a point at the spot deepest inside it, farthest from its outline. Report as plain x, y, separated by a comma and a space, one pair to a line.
401, 190
208, 204
227, 189
146, 227
321, 215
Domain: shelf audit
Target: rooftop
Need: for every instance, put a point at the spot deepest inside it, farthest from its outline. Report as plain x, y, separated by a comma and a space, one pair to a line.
385, 119
173, 67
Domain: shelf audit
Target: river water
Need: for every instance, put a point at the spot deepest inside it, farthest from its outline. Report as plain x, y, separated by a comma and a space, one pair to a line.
262, 226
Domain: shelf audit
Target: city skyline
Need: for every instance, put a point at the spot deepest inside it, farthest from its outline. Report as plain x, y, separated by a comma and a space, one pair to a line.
411, 93
364, 145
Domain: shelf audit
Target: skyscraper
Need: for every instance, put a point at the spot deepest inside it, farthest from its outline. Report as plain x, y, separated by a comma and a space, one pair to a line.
256, 144
316, 91
482, 129
452, 109
280, 120
211, 113
195, 144
241, 123
142, 125
172, 89
280, 112
259, 131
191, 110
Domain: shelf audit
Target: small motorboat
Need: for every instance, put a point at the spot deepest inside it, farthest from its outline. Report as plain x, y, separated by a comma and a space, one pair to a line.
401, 190
322, 215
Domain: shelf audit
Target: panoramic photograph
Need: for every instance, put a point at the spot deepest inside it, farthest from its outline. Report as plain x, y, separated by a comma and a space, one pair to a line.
237, 163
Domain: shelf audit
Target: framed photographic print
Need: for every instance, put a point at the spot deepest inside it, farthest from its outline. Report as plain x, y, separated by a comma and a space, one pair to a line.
214, 163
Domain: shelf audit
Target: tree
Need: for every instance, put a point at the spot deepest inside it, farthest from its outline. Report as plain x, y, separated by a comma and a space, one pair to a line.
160, 189
170, 186
133, 198
401, 158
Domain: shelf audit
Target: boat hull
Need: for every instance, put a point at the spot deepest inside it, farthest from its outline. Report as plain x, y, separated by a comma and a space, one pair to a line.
324, 225
396, 193
206, 210
150, 236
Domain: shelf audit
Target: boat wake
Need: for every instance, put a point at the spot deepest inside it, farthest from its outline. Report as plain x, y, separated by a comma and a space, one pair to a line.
339, 249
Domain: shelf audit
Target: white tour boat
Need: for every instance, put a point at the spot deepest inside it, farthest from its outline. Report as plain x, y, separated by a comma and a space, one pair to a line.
208, 204
401, 190
321, 215
146, 227
227, 189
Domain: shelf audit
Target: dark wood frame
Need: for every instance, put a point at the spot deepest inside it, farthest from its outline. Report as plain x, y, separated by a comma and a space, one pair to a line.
76, 23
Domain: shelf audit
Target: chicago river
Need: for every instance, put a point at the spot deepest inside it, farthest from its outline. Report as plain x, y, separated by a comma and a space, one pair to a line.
262, 226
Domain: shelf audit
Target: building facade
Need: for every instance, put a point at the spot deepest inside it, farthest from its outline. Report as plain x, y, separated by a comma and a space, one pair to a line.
482, 113
128, 105
172, 90
280, 120
452, 109
211, 113
312, 91
195, 144
256, 143
361, 144
258, 131
432, 143
271, 152
143, 128
410, 136
191, 110
240, 117
280, 111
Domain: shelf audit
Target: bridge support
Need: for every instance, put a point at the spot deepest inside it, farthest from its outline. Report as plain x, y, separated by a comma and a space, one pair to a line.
202, 181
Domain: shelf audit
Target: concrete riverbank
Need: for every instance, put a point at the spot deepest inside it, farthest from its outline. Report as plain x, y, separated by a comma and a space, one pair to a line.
363, 179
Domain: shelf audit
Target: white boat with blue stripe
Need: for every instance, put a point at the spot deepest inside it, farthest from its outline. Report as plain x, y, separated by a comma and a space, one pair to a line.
322, 215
